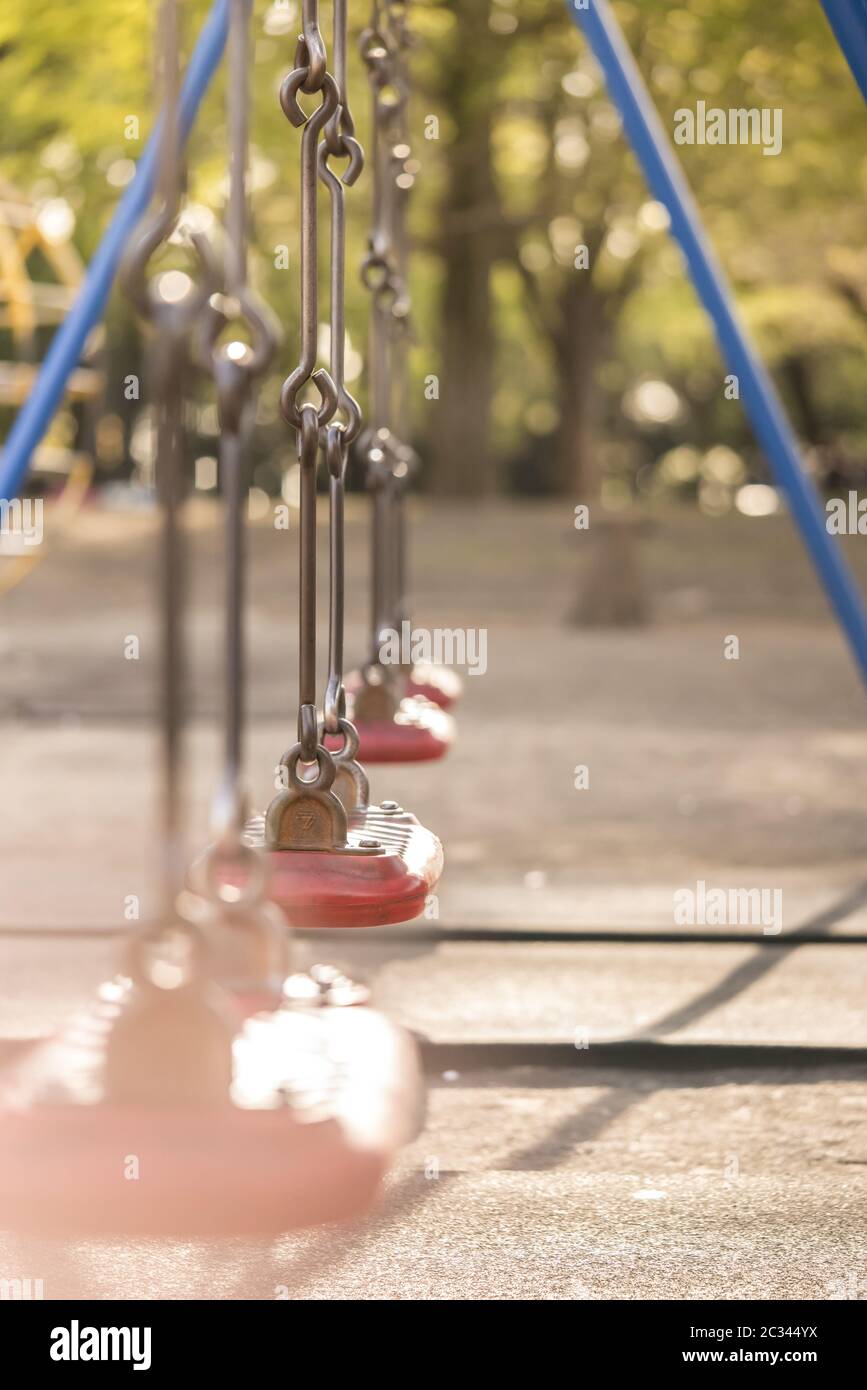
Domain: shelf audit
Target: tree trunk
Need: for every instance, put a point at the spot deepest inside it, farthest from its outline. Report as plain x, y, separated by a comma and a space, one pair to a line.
611, 592
578, 348
797, 372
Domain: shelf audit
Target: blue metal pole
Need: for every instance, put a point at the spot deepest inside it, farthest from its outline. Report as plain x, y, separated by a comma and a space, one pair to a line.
66, 346
848, 19
665, 177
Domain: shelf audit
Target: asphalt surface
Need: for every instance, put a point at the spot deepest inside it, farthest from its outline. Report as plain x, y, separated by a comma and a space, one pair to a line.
710, 1169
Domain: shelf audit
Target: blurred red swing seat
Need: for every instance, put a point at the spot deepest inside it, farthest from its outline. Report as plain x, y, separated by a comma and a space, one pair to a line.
417, 732
321, 1100
439, 684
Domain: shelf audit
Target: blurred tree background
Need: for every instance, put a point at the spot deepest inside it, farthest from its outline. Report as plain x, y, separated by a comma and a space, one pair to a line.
553, 377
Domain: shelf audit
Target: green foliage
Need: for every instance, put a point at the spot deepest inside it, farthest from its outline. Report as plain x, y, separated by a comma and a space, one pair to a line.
788, 229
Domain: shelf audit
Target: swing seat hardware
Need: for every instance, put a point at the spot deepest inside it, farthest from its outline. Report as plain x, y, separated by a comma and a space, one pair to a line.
384, 876
312, 820
318, 1102
350, 786
306, 814
418, 731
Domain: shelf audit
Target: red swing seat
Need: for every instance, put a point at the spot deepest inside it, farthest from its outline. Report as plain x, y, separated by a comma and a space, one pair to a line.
439, 684
252, 1167
418, 732
317, 889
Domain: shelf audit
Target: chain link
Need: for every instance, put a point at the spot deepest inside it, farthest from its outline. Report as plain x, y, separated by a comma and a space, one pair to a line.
328, 137
339, 143
390, 462
312, 76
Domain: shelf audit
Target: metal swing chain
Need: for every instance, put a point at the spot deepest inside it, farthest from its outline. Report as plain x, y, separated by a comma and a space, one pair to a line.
378, 270
317, 428
171, 303
339, 142
377, 273
311, 76
381, 274
403, 457
236, 368
168, 961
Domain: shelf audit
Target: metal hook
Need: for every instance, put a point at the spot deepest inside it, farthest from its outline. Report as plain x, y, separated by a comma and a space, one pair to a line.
292, 84
312, 46
336, 454
306, 369
292, 386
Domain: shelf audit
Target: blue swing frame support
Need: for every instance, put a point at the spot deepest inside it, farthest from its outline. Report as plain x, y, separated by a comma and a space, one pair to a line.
848, 19
666, 180
68, 342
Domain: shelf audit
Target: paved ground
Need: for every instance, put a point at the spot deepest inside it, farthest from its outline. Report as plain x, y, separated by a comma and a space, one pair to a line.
616, 1187
592, 1181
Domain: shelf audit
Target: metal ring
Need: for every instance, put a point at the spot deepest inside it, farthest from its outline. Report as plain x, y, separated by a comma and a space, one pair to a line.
325, 773
252, 866
351, 740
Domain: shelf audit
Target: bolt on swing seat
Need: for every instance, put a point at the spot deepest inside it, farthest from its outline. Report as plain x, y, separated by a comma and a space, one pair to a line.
286, 1122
